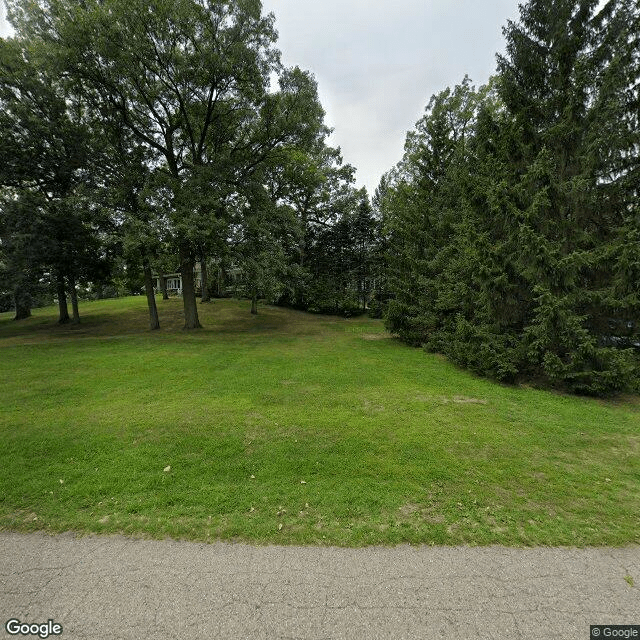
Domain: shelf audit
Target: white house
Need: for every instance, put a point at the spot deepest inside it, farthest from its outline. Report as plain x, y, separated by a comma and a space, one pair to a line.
174, 281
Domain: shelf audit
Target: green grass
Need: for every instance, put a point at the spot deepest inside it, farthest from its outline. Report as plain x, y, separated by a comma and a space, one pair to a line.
296, 429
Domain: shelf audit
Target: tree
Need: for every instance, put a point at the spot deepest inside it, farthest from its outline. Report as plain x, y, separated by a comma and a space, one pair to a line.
137, 215
45, 157
190, 80
18, 268
317, 186
512, 219
364, 237
570, 81
423, 207
259, 235
342, 257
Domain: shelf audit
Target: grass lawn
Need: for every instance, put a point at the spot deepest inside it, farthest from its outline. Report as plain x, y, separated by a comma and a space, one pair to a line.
295, 429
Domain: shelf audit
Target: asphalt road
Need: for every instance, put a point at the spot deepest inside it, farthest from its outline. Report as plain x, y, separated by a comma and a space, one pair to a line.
113, 587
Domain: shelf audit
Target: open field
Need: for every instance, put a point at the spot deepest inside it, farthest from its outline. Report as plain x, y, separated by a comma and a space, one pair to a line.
292, 428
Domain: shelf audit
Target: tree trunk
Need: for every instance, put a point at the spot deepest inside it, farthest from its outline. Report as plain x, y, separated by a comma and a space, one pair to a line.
299, 291
73, 294
254, 305
22, 299
62, 300
154, 321
220, 283
163, 287
206, 296
191, 320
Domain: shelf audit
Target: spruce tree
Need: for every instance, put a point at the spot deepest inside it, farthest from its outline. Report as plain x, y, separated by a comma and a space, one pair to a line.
512, 220
568, 81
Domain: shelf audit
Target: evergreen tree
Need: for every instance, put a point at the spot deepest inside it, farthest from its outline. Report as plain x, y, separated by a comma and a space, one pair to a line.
512, 220
422, 208
570, 82
342, 258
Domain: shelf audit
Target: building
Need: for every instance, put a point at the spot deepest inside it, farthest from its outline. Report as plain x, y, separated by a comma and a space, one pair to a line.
174, 281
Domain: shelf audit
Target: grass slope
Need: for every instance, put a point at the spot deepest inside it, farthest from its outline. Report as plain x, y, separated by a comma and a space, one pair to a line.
293, 428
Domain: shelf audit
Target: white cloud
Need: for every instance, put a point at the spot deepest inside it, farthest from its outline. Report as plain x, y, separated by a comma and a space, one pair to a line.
5, 27
378, 63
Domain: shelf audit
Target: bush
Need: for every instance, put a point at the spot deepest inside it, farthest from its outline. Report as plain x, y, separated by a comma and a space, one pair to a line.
593, 371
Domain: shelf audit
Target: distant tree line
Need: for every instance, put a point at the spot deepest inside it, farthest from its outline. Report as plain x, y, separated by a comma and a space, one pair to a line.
513, 219
146, 135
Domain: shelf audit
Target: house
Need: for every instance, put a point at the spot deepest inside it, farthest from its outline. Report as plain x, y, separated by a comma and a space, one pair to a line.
222, 281
174, 281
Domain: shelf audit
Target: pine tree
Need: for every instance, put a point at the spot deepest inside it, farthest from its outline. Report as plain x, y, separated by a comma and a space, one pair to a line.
512, 220
568, 81
422, 208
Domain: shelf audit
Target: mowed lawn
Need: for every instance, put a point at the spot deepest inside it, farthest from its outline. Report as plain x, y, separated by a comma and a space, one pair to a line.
295, 429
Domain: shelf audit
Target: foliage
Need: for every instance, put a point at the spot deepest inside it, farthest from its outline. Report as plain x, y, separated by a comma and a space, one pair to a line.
342, 259
188, 84
48, 225
513, 215
142, 134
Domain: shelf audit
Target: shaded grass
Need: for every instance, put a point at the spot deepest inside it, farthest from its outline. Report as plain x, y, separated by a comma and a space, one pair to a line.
293, 428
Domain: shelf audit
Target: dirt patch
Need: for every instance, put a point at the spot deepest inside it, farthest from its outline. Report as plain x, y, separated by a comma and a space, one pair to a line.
21, 516
633, 443
447, 400
375, 336
411, 511
466, 400
434, 519
372, 407
408, 509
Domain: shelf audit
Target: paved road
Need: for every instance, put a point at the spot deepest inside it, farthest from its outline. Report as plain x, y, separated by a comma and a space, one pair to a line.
113, 587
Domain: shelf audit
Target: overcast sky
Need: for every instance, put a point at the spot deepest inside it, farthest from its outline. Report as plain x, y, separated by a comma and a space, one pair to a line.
378, 63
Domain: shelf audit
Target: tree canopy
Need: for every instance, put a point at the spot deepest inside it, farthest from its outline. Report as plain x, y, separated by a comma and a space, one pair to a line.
513, 215
185, 114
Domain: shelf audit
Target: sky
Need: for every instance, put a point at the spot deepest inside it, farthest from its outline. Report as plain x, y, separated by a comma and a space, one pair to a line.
377, 63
